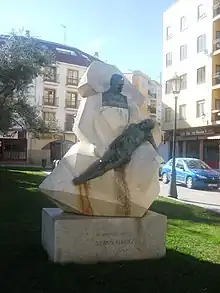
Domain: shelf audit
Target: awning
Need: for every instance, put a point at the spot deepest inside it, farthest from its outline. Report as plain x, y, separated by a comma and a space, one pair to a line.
214, 137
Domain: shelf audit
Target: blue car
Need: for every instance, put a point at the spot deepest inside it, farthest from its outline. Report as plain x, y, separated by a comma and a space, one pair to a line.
193, 173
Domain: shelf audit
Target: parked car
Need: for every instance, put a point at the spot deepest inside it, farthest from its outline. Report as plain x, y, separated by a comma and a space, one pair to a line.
160, 170
193, 173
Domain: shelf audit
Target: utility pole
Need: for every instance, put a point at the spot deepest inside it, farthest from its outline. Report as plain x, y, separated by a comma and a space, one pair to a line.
64, 33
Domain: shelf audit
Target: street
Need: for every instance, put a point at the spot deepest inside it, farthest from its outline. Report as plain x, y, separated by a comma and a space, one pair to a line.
207, 199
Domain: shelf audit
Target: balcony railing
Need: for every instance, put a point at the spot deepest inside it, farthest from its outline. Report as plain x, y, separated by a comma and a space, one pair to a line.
152, 109
72, 81
51, 124
52, 78
216, 116
216, 9
152, 95
216, 45
69, 105
54, 103
216, 79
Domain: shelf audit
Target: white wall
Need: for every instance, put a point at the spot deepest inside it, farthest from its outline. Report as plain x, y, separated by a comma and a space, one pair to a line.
194, 61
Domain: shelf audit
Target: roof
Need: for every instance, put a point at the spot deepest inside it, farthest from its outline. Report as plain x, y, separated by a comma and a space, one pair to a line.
186, 158
64, 53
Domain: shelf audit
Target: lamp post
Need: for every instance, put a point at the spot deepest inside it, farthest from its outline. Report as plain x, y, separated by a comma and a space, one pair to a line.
176, 87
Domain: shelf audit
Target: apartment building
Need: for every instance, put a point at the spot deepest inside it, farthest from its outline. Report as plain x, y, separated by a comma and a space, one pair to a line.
155, 96
191, 48
56, 96
150, 89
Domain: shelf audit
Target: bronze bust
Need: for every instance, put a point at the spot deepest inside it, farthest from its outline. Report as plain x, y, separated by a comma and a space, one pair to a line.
113, 96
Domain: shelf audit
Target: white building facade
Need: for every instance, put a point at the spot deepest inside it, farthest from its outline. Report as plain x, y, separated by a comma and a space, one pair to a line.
190, 28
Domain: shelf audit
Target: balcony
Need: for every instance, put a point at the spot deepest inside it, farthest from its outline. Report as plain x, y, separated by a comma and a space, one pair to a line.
72, 81
216, 47
152, 95
152, 109
51, 103
51, 124
216, 81
216, 11
51, 78
216, 116
71, 106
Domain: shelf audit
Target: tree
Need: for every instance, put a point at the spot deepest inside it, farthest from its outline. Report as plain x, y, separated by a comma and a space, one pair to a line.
22, 59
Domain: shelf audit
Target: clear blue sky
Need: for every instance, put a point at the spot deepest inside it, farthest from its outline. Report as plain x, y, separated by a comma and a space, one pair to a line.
126, 33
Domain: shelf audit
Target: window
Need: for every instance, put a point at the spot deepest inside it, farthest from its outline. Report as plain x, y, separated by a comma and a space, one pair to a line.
201, 43
72, 77
200, 108
183, 25
168, 59
216, 9
168, 33
49, 116
168, 115
201, 75
182, 112
217, 104
184, 81
201, 12
183, 52
216, 75
180, 164
168, 87
50, 74
49, 97
69, 122
71, 100
217, 41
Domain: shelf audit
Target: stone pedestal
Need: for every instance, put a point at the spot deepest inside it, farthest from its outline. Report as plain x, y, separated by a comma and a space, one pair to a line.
83, 239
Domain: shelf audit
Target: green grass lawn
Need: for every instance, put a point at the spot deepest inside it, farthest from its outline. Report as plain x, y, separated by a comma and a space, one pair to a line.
192, 263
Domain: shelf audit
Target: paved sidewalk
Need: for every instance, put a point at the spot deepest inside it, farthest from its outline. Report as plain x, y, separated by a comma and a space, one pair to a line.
203, 198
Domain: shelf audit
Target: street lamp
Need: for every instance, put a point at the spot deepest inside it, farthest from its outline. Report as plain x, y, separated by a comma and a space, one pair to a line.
176, 87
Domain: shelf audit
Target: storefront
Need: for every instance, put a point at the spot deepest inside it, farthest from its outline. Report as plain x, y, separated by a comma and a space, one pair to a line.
201, 143
13, 146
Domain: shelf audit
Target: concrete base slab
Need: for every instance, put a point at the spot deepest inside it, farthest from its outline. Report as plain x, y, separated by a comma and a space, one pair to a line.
84, 239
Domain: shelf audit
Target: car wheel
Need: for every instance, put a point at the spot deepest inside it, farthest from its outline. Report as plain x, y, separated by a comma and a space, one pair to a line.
189, 182
165, 178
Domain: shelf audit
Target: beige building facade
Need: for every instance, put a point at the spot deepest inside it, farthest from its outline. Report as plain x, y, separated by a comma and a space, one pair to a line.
150, 89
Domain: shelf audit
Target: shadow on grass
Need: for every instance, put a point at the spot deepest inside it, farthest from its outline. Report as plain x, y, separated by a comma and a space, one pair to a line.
21, 168
30, 271
20, 197
185, 212
25, 268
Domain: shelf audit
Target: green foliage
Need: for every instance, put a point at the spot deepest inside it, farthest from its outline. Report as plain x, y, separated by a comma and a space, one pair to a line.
22, 59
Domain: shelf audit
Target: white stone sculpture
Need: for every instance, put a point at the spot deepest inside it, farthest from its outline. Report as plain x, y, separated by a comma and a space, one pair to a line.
125, 191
